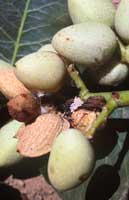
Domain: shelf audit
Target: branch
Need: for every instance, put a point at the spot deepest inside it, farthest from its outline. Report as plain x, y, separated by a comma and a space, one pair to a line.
107, 109
113, 99
117, 99
74, 74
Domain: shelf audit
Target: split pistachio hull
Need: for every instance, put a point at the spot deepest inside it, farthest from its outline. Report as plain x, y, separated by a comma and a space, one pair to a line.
90, 44
102, 11
42, 70
71, 160
122, 20
8, 152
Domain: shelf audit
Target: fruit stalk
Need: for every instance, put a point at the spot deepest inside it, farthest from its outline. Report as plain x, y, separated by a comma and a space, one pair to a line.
126, 54
74, 74
113, 99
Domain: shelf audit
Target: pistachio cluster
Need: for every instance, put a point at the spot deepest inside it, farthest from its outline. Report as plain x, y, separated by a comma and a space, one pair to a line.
98, 41
93, 39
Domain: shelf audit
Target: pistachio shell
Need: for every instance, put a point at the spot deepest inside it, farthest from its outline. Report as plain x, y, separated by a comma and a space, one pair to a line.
90, 44
71, 160
41, 71
92, 10
122, 20
8, 153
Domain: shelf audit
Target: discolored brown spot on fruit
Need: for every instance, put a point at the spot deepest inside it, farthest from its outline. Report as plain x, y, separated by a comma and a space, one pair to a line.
115, 95
52, 170
83, 177
67, 39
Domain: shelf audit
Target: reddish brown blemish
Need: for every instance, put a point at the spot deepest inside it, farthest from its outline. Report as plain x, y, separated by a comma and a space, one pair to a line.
83, 177
115, 95
67, 39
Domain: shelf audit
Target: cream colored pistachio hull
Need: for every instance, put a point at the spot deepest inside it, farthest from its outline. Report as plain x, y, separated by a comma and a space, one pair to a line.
8, 143
4, 65
90, 43
42, 70
122, 20
71, 160
102, 11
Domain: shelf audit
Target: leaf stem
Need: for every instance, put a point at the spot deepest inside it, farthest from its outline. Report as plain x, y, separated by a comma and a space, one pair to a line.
17, 43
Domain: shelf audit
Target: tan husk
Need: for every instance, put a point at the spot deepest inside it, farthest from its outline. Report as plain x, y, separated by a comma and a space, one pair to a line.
10, 86
24, 107
83, 119
37, 138
65, 124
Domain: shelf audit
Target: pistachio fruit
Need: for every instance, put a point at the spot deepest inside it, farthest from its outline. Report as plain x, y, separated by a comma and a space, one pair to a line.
122, 20
90, 44
111, 74
8, 143
71, 160
115, 76
92, 10
47, 47
42, 70
4, 65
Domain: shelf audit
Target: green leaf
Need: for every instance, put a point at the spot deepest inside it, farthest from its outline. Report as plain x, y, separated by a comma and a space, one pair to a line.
28, 24
25, 25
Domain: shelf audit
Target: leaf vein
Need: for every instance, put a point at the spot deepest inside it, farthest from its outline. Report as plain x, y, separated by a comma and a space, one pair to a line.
35, 28
33, 43
44, 6
17, 44
6, 34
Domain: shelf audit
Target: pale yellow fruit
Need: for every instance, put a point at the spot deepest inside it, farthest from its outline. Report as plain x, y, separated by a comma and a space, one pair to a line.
122, 20
47, 47
8, 143
92, 10
4, 65
111, 74
115, 76
90, 44
43, 71
71, 160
